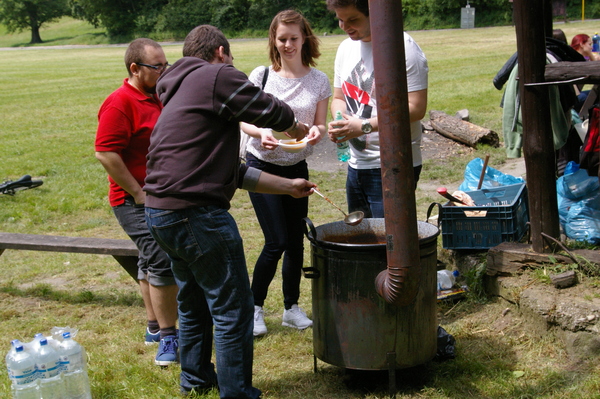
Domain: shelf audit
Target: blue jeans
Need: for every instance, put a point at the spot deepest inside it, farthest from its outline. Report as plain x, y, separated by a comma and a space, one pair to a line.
364, 190
281, 220
153, 263
209, 266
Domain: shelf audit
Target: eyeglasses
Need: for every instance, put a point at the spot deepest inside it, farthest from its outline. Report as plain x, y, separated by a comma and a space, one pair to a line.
157, 68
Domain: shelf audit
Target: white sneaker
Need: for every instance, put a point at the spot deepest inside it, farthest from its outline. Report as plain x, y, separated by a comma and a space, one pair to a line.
260, 327
296, 318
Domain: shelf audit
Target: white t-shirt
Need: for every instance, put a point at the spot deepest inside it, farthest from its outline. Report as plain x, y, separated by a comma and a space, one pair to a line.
354, 74
302, 95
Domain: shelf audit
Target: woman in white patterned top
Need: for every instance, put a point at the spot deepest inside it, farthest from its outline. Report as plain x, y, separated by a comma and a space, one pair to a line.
293, 50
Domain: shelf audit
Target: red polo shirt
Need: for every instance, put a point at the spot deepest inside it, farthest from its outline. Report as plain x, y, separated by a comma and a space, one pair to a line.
125, 121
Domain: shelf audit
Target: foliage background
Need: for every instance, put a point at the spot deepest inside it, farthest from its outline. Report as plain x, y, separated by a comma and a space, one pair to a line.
123, 20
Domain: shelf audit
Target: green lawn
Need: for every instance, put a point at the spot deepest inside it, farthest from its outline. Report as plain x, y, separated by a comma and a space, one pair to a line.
48, 107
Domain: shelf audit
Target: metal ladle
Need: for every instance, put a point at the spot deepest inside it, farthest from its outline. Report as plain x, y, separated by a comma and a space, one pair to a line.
351, 219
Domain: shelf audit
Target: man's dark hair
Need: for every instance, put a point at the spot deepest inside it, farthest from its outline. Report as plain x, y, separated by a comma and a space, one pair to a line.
202, 42
361, 5
136, 52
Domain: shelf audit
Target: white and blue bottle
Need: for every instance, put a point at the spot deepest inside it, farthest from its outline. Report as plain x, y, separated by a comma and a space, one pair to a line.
343, 149
22, 372
47, 362
73, 365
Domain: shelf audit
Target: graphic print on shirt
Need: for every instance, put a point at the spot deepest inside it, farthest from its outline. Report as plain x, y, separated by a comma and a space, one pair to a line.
358, 90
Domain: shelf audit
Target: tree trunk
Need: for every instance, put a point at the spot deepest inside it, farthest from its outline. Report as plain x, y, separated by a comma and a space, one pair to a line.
462, 131
35, 35
35, 26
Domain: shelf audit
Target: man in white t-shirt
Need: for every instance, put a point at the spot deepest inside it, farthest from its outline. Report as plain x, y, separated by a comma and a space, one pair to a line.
354, 95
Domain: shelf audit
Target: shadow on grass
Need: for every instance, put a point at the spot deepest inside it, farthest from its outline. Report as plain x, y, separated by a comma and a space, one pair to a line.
86, 38
47, 292
484, 368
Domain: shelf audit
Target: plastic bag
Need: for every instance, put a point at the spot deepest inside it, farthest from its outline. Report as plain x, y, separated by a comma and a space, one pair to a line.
579, 204
445, 345
493, 177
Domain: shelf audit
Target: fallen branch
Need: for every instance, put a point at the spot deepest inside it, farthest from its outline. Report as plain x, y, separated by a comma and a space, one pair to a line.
462, 131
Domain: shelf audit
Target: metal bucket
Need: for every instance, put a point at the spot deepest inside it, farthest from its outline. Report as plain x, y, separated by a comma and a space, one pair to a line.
353, 327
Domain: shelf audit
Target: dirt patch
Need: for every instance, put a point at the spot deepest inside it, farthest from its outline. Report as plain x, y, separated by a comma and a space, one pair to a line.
433, 146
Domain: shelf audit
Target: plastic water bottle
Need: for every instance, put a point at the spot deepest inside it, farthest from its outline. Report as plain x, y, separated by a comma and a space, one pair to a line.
596, 43
446, 279
73, 364
10, 354
22, 372
47, 362
34, 345
343, 149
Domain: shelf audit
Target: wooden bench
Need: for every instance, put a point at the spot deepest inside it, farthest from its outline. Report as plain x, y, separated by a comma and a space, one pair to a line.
124, 251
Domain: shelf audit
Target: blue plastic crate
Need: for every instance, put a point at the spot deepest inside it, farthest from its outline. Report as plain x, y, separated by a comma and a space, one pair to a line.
500, 215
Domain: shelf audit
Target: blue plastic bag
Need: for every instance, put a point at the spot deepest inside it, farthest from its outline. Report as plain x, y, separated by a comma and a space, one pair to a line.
493, 177
579, 204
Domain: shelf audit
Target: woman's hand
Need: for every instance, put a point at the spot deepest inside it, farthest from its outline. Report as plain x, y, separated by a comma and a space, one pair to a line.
267, 140
314, 135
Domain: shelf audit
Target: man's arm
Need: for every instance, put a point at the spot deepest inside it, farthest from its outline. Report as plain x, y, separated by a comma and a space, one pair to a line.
272, 184
417, 104
115, 167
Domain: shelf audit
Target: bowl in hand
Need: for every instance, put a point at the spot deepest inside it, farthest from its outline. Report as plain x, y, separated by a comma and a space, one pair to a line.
293, 145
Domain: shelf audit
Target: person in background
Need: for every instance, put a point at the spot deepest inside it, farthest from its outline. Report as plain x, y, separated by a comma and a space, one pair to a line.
293, 49
354, 95
193, 171
582, 43
125, 121
558, 34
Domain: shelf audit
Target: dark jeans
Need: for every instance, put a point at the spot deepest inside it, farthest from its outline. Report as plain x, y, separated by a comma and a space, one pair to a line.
153, 263
209, 265
280, 218
364, 190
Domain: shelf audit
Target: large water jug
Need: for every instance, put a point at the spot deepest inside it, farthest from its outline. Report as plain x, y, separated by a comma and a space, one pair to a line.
22, 372
73, 364
47, 362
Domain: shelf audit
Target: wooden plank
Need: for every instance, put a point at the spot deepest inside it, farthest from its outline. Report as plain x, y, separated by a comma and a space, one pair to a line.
103, 246
511, 258
567, 71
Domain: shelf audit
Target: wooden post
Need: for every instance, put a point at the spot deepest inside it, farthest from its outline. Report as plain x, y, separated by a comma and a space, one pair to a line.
538, 147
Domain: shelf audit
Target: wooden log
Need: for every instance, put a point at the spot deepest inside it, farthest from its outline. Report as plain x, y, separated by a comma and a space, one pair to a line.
564, 280
566, 71
509, 258
462, 131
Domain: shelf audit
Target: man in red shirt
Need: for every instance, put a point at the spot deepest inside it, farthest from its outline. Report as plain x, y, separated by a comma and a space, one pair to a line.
125, 122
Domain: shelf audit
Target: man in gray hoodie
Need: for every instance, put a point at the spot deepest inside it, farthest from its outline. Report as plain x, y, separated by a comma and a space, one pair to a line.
192, 173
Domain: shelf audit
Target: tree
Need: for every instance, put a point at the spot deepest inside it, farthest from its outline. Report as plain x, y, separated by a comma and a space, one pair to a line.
19, 15
121, 18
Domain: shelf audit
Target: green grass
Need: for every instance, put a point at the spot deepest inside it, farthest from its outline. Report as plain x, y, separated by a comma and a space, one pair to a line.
50, 98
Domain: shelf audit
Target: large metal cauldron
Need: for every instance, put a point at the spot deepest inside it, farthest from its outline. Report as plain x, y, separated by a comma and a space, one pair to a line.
353, 326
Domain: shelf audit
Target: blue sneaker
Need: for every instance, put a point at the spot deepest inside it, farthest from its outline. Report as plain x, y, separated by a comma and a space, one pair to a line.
167, 351
152, 338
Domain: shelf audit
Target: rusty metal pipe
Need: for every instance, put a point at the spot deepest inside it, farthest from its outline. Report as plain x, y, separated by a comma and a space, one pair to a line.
400, 282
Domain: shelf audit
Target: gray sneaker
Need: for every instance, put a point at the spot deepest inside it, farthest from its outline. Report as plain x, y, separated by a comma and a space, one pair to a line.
296, 318
260, 327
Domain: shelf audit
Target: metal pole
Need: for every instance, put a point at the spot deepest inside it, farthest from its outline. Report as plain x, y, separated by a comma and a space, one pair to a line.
398, 284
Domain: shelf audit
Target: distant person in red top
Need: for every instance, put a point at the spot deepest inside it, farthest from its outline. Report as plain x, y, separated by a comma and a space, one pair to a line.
582, 43
125, 122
